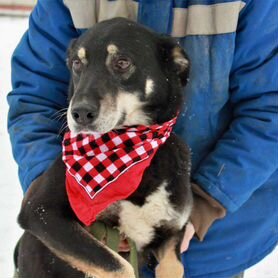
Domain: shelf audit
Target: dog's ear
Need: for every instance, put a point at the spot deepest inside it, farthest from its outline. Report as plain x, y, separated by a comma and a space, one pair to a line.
70, 52
175, 58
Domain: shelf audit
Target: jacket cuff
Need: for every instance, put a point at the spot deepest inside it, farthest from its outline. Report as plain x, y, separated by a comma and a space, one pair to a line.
205, 211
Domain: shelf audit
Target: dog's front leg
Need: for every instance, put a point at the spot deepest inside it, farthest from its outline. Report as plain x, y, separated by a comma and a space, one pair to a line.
46, 213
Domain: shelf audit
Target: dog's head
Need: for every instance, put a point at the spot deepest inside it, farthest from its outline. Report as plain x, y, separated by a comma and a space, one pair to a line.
123, 74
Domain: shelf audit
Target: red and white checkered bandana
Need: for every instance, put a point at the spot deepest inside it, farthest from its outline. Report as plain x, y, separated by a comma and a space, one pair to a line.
105, 168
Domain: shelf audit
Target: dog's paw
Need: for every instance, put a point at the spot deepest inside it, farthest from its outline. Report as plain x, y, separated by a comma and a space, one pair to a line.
126, 272
169, 271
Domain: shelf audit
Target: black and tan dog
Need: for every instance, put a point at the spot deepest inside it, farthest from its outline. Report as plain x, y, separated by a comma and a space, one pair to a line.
122, 75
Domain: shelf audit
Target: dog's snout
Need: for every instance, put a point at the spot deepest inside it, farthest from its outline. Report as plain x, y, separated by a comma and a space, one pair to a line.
84, 115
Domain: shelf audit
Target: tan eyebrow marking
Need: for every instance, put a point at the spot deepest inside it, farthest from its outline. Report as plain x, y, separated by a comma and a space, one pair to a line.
149, 86
112, 49
82, 55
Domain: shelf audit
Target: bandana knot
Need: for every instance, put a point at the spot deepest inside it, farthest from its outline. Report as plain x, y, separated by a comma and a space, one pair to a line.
104, 168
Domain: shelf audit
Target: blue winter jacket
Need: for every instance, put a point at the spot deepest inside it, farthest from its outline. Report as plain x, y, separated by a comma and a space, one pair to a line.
230, 119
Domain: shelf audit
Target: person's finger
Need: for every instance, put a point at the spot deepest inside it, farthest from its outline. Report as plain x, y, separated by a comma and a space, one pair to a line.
189, 233
123, 246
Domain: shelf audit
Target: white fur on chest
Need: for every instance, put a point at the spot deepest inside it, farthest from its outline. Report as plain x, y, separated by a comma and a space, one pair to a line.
139, 223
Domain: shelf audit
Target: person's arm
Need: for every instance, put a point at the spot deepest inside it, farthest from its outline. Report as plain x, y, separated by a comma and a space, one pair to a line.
40, 80
247, 154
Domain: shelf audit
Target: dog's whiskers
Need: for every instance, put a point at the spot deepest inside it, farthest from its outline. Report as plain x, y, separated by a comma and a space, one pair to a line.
59, 114
62, 129
62, 115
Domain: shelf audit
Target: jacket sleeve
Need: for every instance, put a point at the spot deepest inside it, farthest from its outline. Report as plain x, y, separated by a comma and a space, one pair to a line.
39, 80
247, 154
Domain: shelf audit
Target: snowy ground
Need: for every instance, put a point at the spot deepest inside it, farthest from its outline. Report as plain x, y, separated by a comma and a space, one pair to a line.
11, 30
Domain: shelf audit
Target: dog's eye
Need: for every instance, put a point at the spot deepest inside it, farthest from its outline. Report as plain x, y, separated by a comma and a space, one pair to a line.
76, 65
121, 64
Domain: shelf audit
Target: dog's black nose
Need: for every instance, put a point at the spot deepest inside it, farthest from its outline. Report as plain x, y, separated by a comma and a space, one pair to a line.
83, 115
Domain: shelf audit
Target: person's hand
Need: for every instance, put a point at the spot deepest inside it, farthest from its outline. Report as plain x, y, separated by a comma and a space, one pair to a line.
123, 246
189, 233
